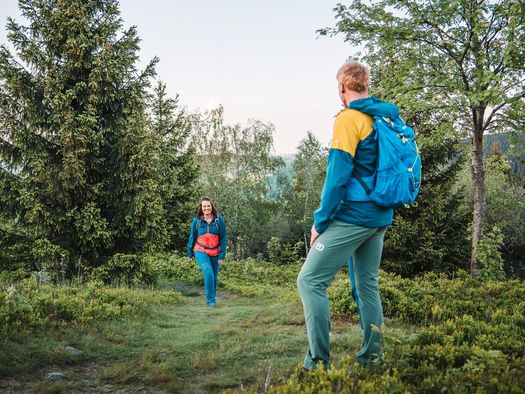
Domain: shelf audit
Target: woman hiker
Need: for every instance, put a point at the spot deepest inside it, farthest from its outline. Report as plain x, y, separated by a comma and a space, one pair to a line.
207, 243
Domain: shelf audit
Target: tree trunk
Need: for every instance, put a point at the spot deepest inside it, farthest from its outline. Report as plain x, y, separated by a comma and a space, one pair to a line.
478, 179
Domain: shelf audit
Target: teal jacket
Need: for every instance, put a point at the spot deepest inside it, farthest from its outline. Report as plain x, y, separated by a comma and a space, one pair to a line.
353, 150
217, 226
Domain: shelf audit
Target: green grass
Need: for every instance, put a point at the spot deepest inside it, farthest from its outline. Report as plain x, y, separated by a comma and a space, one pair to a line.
241, 344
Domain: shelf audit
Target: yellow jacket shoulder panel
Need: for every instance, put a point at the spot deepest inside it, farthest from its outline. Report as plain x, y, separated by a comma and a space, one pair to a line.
350, 128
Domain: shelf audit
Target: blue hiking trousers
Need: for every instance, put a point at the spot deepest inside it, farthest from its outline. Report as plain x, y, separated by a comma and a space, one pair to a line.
210, 268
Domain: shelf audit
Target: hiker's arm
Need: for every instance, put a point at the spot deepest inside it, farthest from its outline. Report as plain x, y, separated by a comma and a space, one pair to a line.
191, 240
222, 238
339, 167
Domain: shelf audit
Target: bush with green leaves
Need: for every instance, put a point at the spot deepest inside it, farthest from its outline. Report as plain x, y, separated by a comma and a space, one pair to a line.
284, 253
146, 269
248, 277
434, 298
461, 355
253, 278
489, 256
29, 305
468, 338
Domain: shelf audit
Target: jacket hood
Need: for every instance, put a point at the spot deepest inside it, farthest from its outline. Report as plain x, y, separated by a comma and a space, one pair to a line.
375, 107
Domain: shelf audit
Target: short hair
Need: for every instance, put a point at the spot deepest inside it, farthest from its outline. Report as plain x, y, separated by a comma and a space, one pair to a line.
199, 212
354, 76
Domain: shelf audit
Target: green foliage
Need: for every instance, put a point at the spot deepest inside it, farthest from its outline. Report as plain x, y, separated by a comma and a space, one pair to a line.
468, 337
489, 256
49, 257
505, 208
252, 278
433, 236
431, 299
147, 269
185, 270
452, 53
14, 248
301, 194
125, 269
284, 253
172, 128
16, 275
81, 170
460, 356
460, 335
248, 277
451, 58
30, 305
236, 164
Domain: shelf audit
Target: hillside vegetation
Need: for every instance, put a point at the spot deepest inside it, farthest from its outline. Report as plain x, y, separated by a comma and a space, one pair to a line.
456, 335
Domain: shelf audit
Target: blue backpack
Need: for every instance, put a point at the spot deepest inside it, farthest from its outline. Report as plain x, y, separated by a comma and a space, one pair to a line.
397, 180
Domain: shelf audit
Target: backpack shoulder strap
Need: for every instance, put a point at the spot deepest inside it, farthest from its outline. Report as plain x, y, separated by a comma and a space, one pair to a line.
359, 179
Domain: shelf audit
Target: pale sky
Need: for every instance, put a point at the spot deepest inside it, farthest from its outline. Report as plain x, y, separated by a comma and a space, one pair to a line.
260, 59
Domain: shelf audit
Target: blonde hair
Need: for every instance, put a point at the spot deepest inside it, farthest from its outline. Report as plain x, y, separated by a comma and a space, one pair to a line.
354, 76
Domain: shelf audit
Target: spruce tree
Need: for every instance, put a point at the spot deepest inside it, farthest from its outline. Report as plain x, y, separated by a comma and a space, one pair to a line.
172, 127
432, 236
80, 168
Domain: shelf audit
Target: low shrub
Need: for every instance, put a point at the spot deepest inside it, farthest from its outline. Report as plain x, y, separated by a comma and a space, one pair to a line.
469, 338
184, 270
248, 277
460, 355
433, 298
253, 278
28, 304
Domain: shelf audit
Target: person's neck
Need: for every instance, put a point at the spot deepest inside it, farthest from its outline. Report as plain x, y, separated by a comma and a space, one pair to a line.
210, 216
351, 95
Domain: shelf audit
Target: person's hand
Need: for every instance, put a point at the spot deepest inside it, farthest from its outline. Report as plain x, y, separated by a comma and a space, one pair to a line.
220, 261
313, 235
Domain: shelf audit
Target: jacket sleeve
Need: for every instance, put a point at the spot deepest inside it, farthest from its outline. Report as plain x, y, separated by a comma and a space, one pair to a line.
222, 238
339, 167
191, 239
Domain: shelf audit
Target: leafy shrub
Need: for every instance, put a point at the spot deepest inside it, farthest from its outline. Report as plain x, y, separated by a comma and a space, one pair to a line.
184, 270
28, 304
146, 269
284, 253
433, 298
451, 357
459, 355
14, 275
489, 256
253, 278
123, 269
248, 277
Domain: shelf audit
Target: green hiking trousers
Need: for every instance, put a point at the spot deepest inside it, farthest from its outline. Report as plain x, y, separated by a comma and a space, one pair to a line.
329, 253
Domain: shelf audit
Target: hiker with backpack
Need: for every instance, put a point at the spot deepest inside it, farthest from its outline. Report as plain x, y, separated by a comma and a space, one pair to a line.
373, 166
207, 243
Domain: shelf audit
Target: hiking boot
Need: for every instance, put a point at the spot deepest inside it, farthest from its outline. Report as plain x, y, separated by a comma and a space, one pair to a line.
302, 373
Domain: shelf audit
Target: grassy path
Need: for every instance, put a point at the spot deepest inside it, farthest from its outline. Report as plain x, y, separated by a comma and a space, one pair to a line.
186, 348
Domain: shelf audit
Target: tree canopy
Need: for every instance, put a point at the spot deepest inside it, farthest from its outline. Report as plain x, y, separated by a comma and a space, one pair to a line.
464, 57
